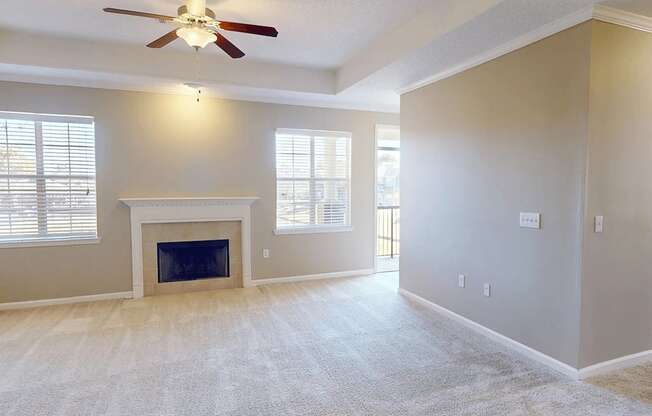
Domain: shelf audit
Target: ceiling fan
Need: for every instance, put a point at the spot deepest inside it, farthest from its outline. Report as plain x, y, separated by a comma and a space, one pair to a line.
197, 25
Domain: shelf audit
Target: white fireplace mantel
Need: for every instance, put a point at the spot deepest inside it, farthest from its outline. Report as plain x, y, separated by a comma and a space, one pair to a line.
175, 210
199, 201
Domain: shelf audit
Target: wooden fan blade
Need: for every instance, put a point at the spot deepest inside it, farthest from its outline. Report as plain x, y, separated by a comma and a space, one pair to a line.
247, 28
163, 40
139, 14
228, 47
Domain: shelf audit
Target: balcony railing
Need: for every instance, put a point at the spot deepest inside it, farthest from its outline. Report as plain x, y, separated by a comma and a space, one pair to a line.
388, 225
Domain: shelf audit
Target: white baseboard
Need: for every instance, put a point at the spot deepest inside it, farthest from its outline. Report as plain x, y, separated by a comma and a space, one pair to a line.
319, 276
64, 301
495, 336
615, 364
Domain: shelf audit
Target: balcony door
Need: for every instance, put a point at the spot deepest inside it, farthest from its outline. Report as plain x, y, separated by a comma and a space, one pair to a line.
388, 209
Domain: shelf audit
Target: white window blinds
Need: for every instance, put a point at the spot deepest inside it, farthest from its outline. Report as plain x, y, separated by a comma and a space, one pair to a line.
313, 180
47, 178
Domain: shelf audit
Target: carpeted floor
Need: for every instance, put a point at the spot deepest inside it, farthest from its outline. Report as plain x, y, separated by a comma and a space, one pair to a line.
635, 382
340, 347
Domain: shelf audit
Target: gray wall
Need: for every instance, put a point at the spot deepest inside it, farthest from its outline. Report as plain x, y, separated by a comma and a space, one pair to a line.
617, 275
477, 149
164, 145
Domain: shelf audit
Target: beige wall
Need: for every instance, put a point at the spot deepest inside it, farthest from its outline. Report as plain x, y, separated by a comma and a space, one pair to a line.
164, 145
617, 278
478, 148
562, 127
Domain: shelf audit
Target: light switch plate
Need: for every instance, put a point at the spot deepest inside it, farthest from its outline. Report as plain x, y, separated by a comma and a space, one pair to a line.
461, 280
266, 253
487, 290
599, 223
530, 220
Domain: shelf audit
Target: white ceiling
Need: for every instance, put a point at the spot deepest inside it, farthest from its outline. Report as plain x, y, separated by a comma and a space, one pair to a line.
312, 33
335, 53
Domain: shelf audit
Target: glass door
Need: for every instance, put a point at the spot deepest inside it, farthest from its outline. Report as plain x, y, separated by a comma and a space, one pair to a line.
388, 209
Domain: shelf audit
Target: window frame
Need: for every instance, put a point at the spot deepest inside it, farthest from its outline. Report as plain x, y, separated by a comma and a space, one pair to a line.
314, 228
44, 240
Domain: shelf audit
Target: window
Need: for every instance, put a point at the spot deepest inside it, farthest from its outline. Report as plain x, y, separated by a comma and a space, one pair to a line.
47, 178
313, 181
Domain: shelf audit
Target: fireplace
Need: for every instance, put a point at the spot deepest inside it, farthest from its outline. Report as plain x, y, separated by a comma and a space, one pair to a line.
159, 220
192, 260
181, 257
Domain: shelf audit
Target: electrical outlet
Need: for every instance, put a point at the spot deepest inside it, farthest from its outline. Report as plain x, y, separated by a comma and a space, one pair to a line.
461, 280
599, 223
487, 290
530, 220
266, 253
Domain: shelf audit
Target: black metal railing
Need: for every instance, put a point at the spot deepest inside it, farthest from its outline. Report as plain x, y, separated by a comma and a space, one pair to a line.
388, 223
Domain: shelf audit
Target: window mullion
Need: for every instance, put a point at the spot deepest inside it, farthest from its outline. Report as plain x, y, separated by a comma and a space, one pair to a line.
69, 179
9, 196
312, 189
41, 201
349, 197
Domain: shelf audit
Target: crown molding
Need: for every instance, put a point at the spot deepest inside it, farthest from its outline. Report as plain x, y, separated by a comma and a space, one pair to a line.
599, 12
522, 41
623, 18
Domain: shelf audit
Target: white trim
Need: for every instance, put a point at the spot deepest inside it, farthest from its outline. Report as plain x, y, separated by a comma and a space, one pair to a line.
65, 301
375, 207
615, 364
176, 210
315, 229
319, 133
623, 18
50, 242
189, 201
495, 336
515, 44
319, 276
54, 118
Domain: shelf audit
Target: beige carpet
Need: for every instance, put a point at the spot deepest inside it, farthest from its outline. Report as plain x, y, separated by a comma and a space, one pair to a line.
635, 382
342, 347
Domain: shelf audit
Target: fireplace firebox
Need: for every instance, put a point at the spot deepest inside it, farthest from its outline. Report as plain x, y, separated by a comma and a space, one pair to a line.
192, 260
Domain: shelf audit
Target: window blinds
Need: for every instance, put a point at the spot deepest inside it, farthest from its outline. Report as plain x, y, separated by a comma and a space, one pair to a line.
313, 179
47, 178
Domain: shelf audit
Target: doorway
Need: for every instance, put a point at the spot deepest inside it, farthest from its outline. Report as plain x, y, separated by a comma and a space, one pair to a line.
388, 203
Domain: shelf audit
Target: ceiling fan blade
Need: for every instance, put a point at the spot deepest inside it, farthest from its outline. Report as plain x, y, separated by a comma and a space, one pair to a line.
247, 28
228, 47
139, 14
164, 40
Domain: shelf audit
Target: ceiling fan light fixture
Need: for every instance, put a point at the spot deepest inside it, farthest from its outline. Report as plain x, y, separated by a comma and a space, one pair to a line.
196, 36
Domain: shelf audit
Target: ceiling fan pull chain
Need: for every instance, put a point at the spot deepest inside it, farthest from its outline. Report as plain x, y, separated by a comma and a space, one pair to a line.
197, 65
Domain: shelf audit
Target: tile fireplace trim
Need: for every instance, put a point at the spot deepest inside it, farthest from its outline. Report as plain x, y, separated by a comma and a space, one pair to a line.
175, 210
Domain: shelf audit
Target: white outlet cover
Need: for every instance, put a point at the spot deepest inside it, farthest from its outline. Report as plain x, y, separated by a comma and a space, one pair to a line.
487, 289
266, 253
530, 220
461, 280
599, 223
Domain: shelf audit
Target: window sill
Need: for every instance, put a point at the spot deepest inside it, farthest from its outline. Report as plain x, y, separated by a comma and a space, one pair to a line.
312, 230
48, 243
